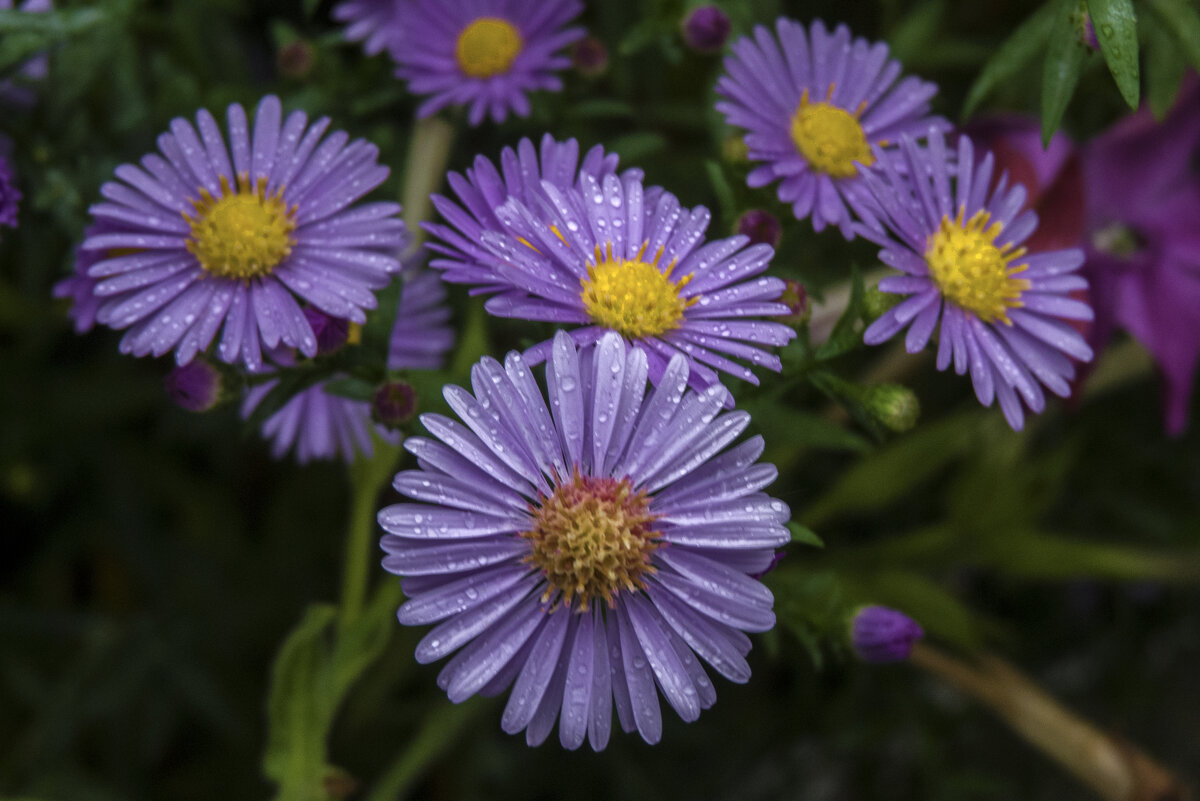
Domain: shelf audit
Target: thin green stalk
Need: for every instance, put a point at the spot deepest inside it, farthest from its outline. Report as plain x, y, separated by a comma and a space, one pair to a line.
367, 477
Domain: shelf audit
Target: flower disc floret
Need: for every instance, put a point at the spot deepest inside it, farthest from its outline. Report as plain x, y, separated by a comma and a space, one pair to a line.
633, 296
487, 47
241, 234
830, 138
972, 271
592, 538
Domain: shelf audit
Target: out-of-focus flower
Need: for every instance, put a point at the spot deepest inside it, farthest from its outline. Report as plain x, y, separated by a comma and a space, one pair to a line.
814, 104
194, 241
879, 634
706, 29
378, 24
316, 424
585, 552
1143, 240
10, 196
960, 247
485, 54
195, 386
590, 57
610, 255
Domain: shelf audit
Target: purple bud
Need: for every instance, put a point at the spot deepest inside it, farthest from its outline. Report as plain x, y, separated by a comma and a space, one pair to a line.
590, 57
761, 226
394, 404
195, 386
706, 29
795, 297
1088, 33
879, 634
331, 332
10, 196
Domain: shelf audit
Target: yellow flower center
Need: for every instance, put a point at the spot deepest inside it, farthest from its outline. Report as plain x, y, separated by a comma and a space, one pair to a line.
592, 538
633, 297
487, 47
830, 138
971, 271
242, 234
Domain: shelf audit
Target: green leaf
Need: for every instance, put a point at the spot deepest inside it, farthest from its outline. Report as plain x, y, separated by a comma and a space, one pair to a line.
721, 188
805, 535
298, 707
1018, 50
1060, 72
1182, 19
1165, 64
846, 333
1117, 31
922, 599
351, 387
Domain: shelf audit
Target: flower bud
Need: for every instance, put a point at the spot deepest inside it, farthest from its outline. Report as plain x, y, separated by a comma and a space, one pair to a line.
295, 60
706, 29
795, 297
195, 386
896, 406
761, 226
1085, 31
394, 404
331, 332
734, 150
590, 57
879, 634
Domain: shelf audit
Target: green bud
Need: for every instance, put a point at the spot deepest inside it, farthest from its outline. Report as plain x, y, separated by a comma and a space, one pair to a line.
896, 406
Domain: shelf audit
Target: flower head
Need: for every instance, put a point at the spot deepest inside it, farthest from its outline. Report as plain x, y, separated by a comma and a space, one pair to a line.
611, 255
879, 634
485, 54
317, 424
1142, 240
961, 250
378, 24
193, 241
585, 551
814, 104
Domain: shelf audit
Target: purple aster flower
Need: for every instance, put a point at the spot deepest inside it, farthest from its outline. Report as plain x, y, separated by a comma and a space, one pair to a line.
585, 552
485, 53
484, 188
195, 241
80, 288
1143, 240
960, 249
706, 29
813, 104
319, 425
376, 23
35, 69
10, 196
612, 256
879, 634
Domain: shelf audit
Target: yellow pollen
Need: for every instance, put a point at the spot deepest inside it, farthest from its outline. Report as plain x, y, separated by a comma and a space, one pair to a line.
592, 538
831, 139
633, 297
487, 47
971, 271
242, 234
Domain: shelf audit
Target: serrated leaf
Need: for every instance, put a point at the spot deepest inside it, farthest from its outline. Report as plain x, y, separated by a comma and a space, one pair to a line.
805, 535
1018, 50
1060, 72
1117, 32
1183, 20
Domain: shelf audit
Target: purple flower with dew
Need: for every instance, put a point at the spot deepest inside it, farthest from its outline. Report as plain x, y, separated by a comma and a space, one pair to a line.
378, 24
585, 552
484, 188
960, 249
813, 104
195, 241
879, 634
1143, 240
10, 196
80, 288
35, 69
318, 425
485, 54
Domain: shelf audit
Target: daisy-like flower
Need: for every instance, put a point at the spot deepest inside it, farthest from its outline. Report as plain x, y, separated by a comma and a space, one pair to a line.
195, 240
316, 424
486, 54
612, 256
813, 104
376, 23
585, 553
484, 188
959, 246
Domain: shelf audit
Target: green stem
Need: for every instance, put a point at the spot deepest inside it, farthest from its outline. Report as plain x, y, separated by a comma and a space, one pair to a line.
367, 477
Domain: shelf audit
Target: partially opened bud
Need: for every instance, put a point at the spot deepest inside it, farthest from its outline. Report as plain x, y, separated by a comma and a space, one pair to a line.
879, 634
195, 386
